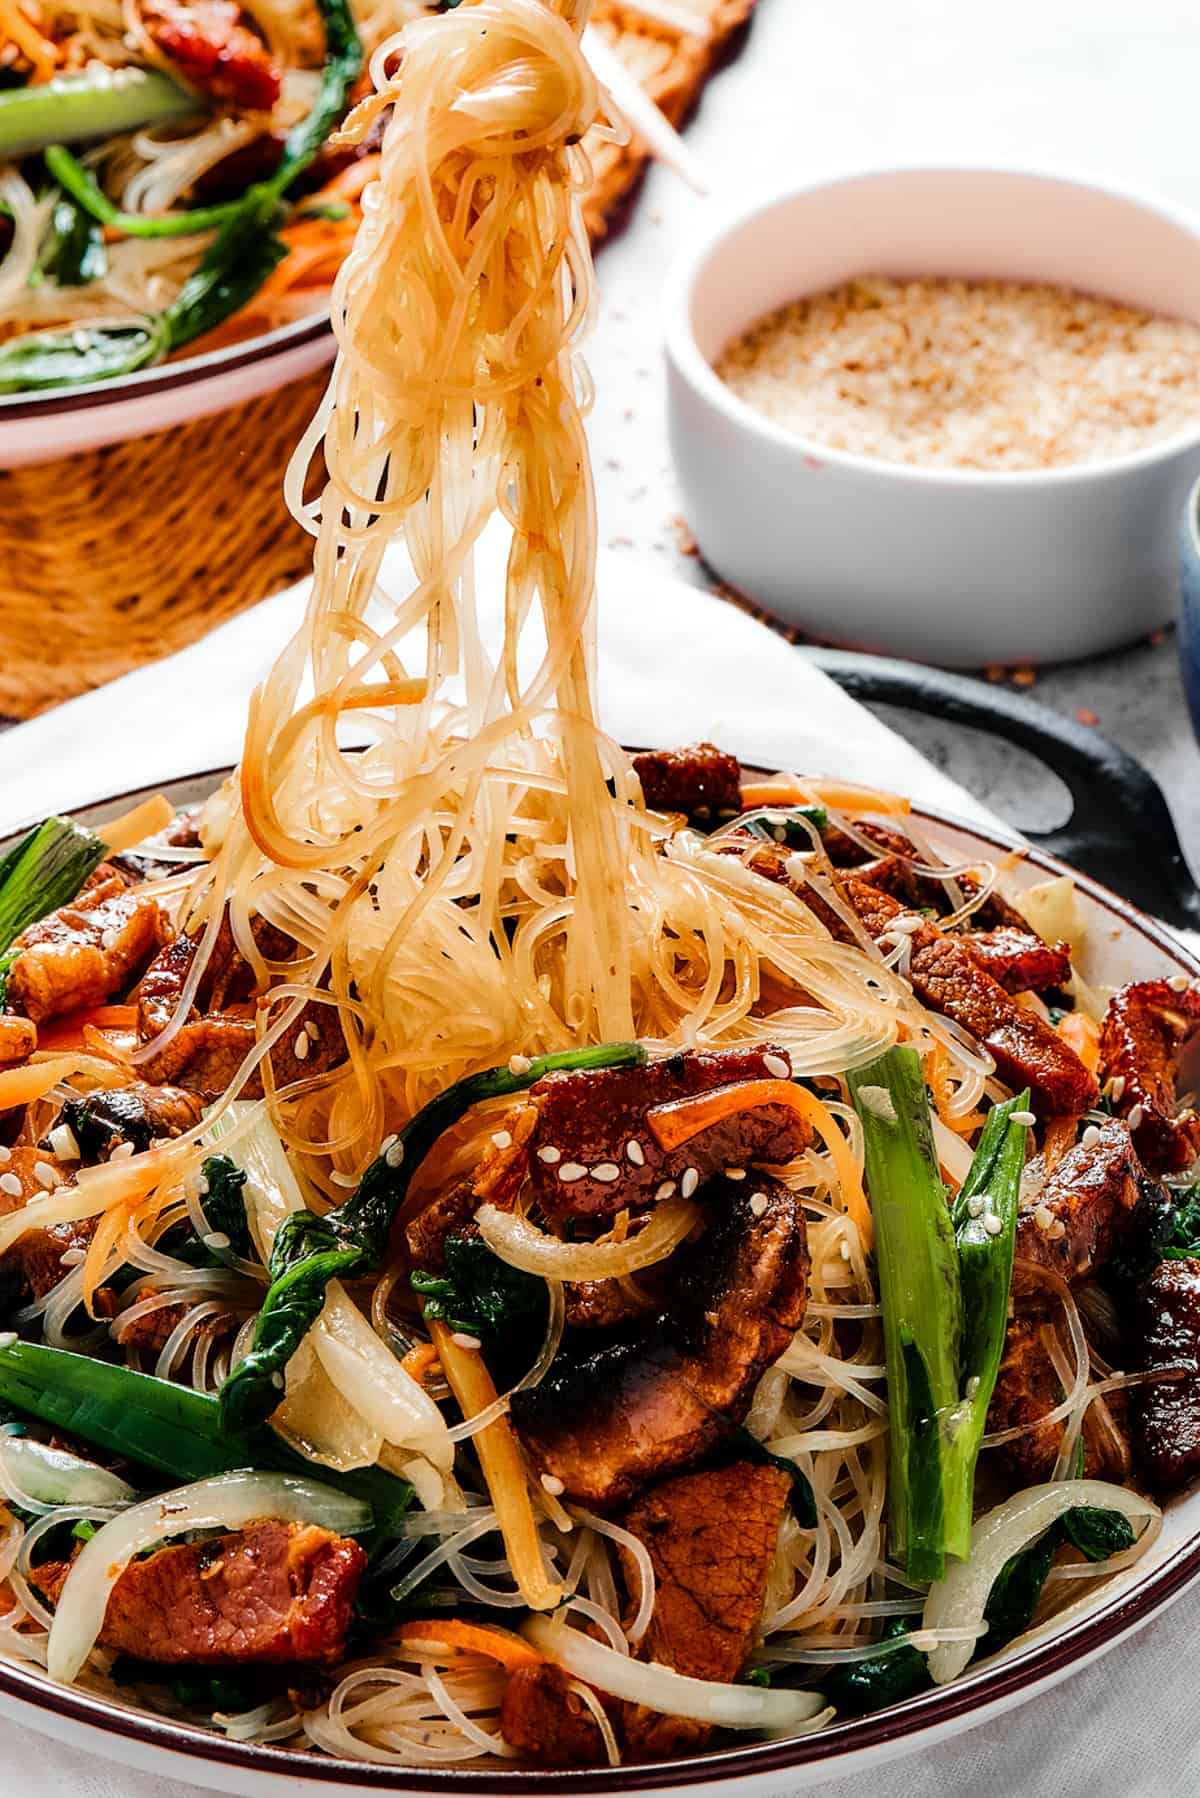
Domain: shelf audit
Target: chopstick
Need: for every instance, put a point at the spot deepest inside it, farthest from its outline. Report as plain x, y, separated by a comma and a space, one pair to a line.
640, 111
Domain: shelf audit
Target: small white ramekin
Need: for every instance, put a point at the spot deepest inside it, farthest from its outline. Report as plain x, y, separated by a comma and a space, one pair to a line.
959, 567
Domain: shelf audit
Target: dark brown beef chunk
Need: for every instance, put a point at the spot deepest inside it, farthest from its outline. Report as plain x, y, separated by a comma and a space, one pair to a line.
273, 1593
1027, 1388
545, 1721
1092, 1193
139, 1114
1167, 1412
34, 1263
85, 953
1020, 961
1145, 1029
605, 1421
496, 1181
888, 871
944, 976
598, 1120
711, 1539
701, 781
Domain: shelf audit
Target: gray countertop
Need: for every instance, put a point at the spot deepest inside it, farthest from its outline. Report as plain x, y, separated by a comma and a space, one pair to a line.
1106, 88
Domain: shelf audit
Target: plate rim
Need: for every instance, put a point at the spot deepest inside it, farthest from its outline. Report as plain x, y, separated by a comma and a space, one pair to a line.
899, 1729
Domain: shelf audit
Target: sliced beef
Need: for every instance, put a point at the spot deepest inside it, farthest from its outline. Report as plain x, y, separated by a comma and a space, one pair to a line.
85, 953
1020, 961
594, 1153
242, 168
545, 1721
137, 1114
1145, 1029
1027, 1389
273, 1593
205, 1054
711, 1538
215, 51
890, 871
945, 976
35, 1260
606, 1420
701, 781
1167, 1412
18, 1039
1086, 1206
496, 1181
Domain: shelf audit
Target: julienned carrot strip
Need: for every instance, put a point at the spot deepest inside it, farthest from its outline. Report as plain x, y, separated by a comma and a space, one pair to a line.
135, 826
1080, 1034
503, 1469
472, 1638
1059, 1136
843, 796
678, 1122
418, 1361
68, 1032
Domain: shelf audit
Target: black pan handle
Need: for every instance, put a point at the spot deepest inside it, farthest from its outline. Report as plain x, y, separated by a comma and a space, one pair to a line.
1120, 830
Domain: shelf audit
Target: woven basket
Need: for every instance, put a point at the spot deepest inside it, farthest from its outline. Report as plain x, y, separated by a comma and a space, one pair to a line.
118, 556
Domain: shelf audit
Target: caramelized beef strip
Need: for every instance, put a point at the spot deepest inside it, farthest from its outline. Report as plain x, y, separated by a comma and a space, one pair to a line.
944, 976
594, 1154
545, 1721
496, 1181
1092, 1194
35, 1260
214, 51
1020, 961
1027, 1388
86, 952
711, 1538
18, 1039
889, 871
604, 1421
1167, 1412
207, 1051
271, 1594
1145, 1029
700, 781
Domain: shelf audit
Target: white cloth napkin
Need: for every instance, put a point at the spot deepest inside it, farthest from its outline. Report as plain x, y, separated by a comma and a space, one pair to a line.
675, 664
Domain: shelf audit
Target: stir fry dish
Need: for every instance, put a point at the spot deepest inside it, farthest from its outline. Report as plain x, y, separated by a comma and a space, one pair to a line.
520, 1254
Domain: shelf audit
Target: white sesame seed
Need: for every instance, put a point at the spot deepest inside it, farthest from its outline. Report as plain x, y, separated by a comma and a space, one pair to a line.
1057, 1230
758, 1203
11, 1185
124, 1152
552, 1484
690, 1181
777, 1067
519, 1064
844, 1249
1090, 1137
277, 1381
1179, 983
45, 1175
502, 1139
635, 1153
1022, 1117
992, 1223
300, 1047
8, 1338
63, 1141
550, 1155
394, 1154
665, 1190
387, 1142
463, 1341
108, 938
607, 1171
735, 1173
1043, 1217
976, 1207
1136, 1116
217, 1239
779, 833
1116, 1088
5, 1156
571, 1170
312, 1031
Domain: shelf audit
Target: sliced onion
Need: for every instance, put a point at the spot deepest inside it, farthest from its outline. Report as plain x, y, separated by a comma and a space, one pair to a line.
367, 1373
38, 1477
778, 1712
958, 1600
523, 1245
231, 1501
